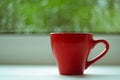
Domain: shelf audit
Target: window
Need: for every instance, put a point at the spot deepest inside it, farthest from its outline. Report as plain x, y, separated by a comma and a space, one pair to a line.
44, 16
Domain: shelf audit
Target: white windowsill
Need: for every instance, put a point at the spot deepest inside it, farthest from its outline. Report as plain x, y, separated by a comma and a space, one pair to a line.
15, 72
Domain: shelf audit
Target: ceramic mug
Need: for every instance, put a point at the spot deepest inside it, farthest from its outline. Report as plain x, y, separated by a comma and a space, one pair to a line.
71, 51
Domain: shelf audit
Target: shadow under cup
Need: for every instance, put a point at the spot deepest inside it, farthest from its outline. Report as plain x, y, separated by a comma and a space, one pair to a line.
71, 51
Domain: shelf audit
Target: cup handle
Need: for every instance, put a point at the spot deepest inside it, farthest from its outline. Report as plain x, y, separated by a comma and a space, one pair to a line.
88, 63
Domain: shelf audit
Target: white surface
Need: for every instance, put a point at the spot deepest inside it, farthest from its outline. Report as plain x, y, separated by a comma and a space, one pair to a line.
51, 73
35, 49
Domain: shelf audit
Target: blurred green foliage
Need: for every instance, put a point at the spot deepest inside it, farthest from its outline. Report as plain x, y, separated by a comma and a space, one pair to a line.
45, 16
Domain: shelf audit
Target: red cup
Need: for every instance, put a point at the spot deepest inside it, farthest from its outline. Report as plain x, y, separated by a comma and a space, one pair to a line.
71, 51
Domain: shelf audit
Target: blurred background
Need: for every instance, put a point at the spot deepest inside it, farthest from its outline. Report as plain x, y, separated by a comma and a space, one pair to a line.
44, 16
25, 26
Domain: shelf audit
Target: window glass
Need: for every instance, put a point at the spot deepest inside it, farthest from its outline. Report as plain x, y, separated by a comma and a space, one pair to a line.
45, 16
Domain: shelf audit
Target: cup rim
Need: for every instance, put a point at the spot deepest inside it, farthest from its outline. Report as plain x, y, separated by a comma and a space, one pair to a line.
83, 33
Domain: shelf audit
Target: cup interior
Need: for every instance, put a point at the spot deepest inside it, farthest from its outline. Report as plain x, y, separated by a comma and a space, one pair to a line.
79, 33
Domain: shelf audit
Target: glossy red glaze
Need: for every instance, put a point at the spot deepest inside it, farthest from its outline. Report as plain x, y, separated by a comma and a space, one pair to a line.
71, 51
